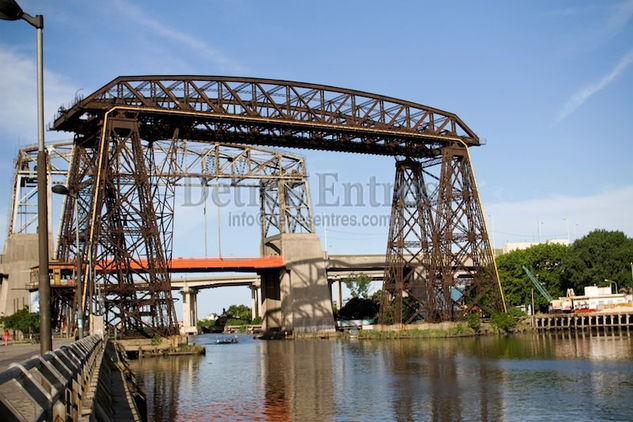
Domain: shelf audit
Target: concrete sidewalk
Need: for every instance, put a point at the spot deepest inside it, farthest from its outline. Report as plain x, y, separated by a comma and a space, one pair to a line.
18, 352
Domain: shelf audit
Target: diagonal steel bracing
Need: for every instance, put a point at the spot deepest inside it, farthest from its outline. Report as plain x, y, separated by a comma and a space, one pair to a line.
438, 252
125, 232
170, 164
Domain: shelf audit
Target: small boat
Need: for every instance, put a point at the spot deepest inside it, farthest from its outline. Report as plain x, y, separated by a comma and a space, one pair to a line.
227, 340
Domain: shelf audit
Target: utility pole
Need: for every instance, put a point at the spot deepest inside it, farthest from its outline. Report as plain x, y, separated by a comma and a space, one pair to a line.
10, 10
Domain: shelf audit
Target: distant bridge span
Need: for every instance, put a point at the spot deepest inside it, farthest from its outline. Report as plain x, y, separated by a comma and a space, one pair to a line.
205, 265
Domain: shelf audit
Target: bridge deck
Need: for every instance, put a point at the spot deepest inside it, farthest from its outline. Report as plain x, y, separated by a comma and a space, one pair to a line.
196, 265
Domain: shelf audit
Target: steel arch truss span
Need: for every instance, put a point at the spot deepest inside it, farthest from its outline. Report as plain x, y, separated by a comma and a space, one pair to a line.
438, 249
270, 112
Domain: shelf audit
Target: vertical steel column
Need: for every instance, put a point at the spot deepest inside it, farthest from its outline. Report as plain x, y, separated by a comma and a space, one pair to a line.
408, 236
126, 238
438, 251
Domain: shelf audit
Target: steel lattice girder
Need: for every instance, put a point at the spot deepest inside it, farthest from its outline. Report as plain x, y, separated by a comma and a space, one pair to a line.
438, 252
279, 113
293, 114
285, 207
170, 163
186, 163
124, 229
23, 211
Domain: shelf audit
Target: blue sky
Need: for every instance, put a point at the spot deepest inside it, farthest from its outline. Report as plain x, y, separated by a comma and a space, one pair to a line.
548, 85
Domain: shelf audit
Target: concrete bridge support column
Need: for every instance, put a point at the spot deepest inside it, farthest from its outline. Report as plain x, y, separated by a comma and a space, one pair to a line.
20, 253
339, 294
189, 311
254, 301
297, 299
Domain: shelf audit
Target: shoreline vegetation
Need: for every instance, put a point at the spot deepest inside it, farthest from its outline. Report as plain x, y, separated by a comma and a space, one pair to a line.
425, 330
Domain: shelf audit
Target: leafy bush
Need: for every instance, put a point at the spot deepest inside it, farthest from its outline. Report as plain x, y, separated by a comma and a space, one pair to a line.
516, 312
473, 321
22, 320
358, 285
235, 321
358, 308
241, 312
503, 321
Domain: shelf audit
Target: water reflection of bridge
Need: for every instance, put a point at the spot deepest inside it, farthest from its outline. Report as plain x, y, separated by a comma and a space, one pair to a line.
327, 380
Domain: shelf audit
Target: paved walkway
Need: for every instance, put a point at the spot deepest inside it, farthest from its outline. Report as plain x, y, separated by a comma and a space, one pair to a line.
20, 352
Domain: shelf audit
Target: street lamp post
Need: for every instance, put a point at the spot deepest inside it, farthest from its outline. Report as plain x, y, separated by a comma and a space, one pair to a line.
63, 190
10, 10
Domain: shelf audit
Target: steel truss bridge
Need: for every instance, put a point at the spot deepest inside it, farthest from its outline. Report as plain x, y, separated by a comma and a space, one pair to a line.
134, 142
190, 163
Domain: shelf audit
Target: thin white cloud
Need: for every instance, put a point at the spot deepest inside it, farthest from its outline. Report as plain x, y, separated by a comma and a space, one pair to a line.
612, 17
619, 18
18, 86
573, 11
519, 221
580, 97
139, 17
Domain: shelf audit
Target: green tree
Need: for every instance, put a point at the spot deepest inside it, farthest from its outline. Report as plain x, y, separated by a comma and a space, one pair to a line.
598, 256
473, 321
359, 308
503, 321
358, 285
206, 322
22, 320
241, 312
376, 297
545, 261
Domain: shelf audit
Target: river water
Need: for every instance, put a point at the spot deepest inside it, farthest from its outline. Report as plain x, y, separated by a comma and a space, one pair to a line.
517, 378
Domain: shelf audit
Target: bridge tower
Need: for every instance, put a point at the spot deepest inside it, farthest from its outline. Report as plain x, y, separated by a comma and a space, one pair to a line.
439, 258
126, 217
296, 299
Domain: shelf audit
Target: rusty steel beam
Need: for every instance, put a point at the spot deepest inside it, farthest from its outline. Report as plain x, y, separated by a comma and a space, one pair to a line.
438, 253
170, 164
270, 112
186, 163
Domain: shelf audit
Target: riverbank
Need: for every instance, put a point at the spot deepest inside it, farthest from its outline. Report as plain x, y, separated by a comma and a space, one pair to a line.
420, 330
159, 346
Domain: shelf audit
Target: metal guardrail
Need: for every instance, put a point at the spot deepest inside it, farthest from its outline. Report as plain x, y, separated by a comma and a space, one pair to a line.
50, 387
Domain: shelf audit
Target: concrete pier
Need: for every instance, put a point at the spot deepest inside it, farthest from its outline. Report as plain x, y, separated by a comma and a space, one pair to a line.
583, 321
297, 298
189, 311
